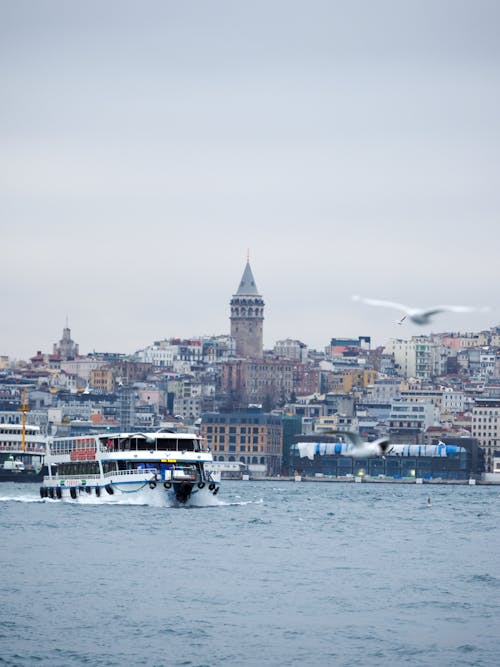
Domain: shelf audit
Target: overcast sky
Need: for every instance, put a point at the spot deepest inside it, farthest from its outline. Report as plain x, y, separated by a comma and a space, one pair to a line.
352, 147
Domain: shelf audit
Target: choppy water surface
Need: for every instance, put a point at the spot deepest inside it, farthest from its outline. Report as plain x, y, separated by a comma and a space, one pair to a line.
273, 574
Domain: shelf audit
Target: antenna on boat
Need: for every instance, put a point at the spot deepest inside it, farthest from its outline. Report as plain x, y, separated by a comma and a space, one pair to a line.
23, 409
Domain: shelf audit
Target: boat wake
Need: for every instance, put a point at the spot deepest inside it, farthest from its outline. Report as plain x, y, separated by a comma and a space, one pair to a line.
20, 499
138, 498
241, 503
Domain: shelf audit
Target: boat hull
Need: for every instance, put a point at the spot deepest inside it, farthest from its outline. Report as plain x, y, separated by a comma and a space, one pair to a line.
23, 476
145, 491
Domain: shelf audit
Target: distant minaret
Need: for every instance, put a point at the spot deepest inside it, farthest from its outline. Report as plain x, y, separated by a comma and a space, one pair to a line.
247, 317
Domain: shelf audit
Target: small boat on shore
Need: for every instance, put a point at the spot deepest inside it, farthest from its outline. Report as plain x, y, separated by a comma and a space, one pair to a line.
175, 466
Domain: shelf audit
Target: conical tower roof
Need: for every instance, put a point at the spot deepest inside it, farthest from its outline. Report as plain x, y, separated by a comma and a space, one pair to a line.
247, 283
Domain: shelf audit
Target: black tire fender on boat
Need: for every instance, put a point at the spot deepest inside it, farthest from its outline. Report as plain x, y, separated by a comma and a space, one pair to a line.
58, 492
72, 492
152, 485
201, 485
211, 486
51, 492
216, 490
167, 485
109, 489
42, 492
97, 491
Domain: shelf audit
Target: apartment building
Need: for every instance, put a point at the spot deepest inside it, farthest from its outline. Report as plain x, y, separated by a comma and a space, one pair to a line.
249, 436
486, 428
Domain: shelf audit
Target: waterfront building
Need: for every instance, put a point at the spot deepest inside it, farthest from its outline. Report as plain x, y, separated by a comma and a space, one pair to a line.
486, 428
292, 428
247, 317
250, 436
326, 457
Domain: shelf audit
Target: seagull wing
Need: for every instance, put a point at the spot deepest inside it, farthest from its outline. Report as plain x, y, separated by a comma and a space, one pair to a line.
386, 304
353, 437
429, 312
454, 309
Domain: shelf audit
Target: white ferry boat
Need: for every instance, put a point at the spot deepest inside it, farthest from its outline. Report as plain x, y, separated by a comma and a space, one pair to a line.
162, 463
22, 450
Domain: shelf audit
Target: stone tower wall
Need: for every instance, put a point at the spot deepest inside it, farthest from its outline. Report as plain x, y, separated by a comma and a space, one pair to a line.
247, 325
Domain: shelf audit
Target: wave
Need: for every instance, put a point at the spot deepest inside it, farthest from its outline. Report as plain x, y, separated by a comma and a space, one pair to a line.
22, 499
138, 498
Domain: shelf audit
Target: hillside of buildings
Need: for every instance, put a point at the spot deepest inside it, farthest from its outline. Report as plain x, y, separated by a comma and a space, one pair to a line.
442, 388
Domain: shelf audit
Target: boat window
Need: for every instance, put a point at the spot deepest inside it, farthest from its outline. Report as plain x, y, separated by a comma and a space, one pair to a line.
187, 445
79, 469
184, 472
179, 445
144, 445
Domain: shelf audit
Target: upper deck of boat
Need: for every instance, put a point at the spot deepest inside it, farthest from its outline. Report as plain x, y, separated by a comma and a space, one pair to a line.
87, 446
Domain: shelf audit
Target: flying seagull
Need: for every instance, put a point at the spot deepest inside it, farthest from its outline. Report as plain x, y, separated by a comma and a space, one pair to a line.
362, 449
417, 315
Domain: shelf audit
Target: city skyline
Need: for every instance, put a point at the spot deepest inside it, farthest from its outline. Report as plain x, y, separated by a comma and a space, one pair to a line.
405, 335
352, 147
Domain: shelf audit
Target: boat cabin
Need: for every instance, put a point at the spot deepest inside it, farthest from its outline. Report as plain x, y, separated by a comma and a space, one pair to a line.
151, 443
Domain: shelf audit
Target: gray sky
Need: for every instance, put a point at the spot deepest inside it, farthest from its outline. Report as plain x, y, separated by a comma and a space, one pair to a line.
352, 147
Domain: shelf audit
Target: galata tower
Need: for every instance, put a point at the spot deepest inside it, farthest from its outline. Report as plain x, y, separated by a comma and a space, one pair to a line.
247, 317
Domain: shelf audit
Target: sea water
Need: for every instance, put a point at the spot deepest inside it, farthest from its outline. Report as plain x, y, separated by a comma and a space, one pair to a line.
272, 573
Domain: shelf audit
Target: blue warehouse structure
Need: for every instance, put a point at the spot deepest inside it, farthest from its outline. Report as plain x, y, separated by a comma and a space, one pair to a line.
448, 461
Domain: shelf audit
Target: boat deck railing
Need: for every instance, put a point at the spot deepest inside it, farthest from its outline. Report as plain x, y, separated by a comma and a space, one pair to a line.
164, 452
107, 475
150, 473
124, 473
28, 448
